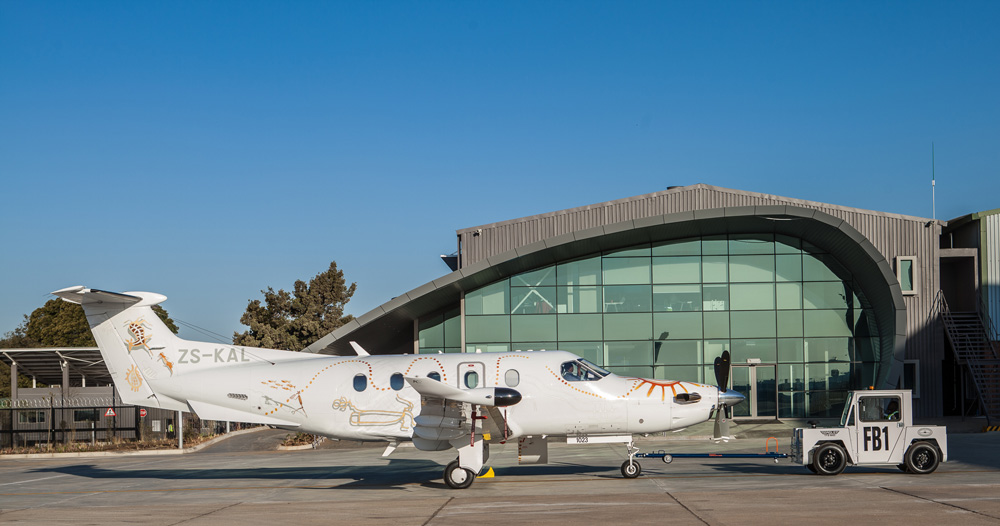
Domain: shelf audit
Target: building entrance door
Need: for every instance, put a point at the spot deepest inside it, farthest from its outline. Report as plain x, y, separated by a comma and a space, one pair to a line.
757, 382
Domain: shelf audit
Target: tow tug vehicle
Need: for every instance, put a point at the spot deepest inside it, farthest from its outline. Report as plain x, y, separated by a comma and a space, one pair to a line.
876, 429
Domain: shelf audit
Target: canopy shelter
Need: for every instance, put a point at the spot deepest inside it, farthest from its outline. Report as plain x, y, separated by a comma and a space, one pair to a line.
65, 366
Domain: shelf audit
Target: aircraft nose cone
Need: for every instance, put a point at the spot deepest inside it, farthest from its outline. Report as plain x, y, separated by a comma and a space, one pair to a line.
730, 397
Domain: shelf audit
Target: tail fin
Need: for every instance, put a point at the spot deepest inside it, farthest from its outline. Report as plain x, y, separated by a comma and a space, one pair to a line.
132, 339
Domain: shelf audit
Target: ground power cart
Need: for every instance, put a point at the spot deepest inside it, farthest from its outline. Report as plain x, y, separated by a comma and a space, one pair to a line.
876, 429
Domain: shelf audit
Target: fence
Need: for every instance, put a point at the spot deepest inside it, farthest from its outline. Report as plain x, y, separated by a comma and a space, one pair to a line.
28, 422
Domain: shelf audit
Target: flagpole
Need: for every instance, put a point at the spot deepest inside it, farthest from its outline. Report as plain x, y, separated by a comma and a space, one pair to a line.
933, 201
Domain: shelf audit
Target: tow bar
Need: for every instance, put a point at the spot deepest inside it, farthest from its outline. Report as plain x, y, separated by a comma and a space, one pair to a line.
669, 457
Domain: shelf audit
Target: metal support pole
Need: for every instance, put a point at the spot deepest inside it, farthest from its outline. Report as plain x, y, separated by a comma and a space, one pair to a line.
180, 430
13, 384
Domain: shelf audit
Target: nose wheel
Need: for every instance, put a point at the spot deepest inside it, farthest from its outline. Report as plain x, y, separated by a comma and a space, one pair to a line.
631, 467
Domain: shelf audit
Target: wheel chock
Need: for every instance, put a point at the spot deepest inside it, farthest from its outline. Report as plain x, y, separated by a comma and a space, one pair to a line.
488, 475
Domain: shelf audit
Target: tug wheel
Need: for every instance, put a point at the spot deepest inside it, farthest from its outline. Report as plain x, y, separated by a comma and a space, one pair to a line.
922, 458
830, 459
631, 470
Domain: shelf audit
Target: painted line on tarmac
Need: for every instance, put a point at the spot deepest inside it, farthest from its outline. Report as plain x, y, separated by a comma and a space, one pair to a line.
32, 480
939, 502
521, 479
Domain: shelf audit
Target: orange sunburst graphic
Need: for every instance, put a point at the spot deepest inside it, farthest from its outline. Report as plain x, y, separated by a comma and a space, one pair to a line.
133, 378
663, 385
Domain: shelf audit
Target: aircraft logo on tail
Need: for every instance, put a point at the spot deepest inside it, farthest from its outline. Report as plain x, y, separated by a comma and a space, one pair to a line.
133, 378
141, 334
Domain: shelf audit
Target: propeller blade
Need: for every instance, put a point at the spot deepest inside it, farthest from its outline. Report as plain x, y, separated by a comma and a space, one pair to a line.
722, 371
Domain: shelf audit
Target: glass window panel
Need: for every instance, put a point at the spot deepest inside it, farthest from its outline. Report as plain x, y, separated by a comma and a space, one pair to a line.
680, 352
866, 349
491, 299
791, 377
573, 298
716, 324
628, 327
580, 272
791, 405
752, 324
763, 350
580, 327
681, 247
453, 328
713, 350
681, 373
487, 329
638, 250
790, 350
534, 346
592, 351
814, 268
452, 350
789, 323
632, 372
788, 267
715, 269
673, 298
530, 328
533, 300
767, 393
825, 404
789, 295
626, 271
629, 353
906, 274
677, 325
826, 323
535, 278
627, 298
828, 349
751, 296
825, 295
715, 297
751, 268
752, 244
487, 347
787, 245
715, 245
431, 332
677, 269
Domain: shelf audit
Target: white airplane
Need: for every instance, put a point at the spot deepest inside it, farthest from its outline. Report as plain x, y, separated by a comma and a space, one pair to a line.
436, 401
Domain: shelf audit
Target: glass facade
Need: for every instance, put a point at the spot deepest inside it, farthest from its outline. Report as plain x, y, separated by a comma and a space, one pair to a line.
668, 309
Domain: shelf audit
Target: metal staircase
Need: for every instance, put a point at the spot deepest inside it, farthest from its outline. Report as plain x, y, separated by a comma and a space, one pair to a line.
974, 341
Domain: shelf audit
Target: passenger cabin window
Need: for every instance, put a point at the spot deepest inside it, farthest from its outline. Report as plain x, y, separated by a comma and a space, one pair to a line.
396, 381
360, 382
471, 379
434, 375
879, 409
511, 378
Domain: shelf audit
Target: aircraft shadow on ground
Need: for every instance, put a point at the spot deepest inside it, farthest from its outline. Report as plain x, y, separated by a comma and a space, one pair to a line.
398, 472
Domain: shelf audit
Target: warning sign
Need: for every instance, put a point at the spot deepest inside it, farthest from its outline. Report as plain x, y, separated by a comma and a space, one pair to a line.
142, 412
110, 412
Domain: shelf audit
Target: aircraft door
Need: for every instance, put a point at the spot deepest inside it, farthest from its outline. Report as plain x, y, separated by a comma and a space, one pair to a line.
471, 375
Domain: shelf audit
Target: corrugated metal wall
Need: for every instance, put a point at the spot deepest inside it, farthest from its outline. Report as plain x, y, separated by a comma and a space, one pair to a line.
990, 254
893, 235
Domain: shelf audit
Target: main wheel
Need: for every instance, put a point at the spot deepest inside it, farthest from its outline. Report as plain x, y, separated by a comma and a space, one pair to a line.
631, 470
829, 459
922, 458
457, 477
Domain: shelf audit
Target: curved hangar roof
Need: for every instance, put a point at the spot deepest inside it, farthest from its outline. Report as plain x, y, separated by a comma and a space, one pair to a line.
389, 327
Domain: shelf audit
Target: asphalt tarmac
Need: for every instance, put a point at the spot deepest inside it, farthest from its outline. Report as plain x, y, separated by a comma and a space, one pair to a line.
243, 481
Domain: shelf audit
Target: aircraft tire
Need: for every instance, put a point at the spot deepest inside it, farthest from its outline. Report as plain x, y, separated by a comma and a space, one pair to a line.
631, 470
829, 460
922, 458
457, 477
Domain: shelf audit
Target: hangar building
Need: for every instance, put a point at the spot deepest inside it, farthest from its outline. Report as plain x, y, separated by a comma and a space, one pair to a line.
811, 299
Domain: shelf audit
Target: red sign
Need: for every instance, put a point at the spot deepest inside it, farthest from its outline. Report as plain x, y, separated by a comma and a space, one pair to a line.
110, 412
142, 412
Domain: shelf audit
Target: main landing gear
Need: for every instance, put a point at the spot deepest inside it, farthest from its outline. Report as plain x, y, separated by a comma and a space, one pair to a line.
457, 477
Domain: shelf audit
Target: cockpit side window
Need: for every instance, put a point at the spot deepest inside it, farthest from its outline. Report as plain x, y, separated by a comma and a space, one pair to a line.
581, 371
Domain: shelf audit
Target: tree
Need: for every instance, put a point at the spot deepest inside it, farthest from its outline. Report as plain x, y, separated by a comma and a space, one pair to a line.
292, 321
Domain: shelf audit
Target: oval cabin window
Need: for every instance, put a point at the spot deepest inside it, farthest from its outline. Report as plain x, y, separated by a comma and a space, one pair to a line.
360, 382
396, 381
511, 378
471, 379
434, 376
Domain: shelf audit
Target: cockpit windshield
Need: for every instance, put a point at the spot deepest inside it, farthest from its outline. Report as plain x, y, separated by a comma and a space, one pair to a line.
582, 371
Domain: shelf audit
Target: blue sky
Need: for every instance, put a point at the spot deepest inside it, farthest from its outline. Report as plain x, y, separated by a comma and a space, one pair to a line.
208, 150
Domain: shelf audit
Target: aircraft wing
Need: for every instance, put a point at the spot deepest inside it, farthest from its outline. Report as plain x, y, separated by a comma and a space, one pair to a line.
442, 418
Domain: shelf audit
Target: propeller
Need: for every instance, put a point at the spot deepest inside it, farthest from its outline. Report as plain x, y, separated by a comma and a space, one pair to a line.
722, 369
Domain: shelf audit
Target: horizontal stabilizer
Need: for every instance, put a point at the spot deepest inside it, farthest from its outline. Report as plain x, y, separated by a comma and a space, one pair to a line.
213, 412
